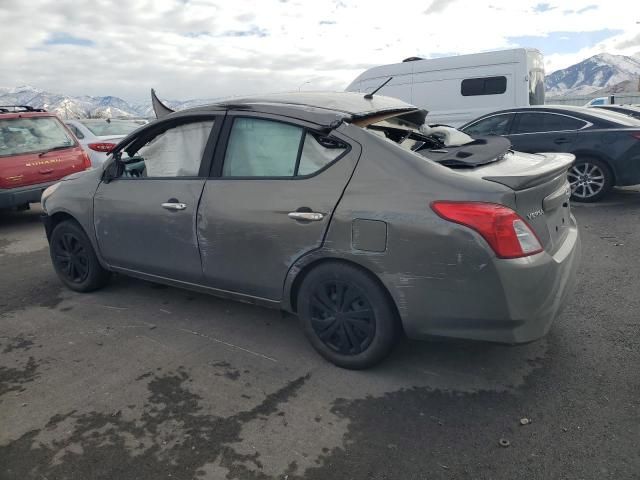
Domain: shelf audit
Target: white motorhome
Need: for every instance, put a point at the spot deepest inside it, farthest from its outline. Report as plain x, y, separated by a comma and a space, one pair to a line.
457, 89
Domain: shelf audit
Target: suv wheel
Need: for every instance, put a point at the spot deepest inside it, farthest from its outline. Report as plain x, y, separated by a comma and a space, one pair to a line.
347, 315
590, 180
74, 259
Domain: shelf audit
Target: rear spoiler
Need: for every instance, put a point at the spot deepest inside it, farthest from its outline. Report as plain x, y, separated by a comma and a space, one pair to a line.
555, 165
159, 108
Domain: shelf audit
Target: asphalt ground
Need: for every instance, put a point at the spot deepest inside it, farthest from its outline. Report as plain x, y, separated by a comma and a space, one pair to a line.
142, 381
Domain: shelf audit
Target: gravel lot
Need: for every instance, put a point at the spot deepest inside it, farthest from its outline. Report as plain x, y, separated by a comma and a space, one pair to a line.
142, 381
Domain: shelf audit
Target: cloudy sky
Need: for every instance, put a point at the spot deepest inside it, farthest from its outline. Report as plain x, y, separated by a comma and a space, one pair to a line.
215, 48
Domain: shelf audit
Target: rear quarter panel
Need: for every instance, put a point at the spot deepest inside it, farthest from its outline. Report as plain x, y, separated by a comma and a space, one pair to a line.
428, 263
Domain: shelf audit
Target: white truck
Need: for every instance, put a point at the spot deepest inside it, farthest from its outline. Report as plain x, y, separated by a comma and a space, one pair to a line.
457, 89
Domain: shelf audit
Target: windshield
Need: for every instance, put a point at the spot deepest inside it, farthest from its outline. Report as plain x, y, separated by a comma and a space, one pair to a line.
32, 134
536, 78
103, 128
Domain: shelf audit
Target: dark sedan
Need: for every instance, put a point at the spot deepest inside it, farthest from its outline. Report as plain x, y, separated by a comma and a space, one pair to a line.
606, 144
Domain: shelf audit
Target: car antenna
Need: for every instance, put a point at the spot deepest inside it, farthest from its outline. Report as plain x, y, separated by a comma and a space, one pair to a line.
370, 95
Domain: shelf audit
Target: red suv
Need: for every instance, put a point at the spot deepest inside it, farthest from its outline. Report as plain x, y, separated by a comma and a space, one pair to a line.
36, 150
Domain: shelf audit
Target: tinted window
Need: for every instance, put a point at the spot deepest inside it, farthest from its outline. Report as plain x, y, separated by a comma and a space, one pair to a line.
318, 152
261, 148
177, 152
495, 125
483, 86
546, 122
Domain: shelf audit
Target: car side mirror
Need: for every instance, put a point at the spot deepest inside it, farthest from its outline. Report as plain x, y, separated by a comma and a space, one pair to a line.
114, 170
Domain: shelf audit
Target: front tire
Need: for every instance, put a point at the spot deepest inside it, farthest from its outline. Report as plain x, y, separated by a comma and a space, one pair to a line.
347, 315
590, 180
74, 259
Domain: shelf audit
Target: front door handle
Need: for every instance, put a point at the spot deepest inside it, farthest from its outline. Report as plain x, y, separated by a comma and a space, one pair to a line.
306, 216
174, 206
560, 141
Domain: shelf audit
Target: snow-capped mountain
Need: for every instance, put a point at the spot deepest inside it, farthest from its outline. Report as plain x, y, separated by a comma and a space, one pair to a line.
67, 106
598, 73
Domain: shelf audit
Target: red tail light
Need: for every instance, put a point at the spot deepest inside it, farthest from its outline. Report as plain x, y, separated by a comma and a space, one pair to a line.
105, 147
504, 230
86, 161
636, 135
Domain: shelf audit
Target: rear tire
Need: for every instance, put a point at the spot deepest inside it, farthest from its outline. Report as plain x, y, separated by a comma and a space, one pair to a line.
590, 180
74, 258
347, 315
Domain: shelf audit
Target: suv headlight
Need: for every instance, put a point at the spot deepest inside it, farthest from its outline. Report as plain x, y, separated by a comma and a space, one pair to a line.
46, 194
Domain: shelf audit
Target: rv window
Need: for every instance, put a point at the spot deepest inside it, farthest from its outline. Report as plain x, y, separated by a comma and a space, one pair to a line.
483, 86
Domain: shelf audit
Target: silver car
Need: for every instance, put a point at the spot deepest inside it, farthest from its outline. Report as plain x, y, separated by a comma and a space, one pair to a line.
99, 136
341, 208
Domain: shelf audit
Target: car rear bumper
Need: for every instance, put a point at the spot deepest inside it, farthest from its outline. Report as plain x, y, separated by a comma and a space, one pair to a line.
515, 300
23, 195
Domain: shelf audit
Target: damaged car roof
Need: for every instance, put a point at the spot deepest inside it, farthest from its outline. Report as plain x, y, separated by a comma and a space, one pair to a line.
323, 108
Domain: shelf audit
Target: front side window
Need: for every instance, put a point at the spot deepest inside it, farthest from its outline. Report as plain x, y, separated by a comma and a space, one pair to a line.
483, 86
176, 152
546, 122
30, 135
495, 125
266, 148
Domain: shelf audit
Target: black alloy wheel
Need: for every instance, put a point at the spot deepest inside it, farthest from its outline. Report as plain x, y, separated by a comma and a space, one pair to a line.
74, 259
342, 317
70, 257
347, 314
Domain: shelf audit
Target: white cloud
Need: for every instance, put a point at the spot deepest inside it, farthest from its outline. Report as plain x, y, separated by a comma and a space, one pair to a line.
204, 48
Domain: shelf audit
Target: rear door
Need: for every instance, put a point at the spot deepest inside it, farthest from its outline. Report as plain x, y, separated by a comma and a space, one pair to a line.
145, 221
544, 132
273, 191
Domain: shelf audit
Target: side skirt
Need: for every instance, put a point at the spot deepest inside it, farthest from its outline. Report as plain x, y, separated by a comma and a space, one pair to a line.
263, 302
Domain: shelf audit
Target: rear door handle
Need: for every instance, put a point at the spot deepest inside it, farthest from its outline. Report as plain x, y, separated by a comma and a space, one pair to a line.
559, 141
307, 216
174, 206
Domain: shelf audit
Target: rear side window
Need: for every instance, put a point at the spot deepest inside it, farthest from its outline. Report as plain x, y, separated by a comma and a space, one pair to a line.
318, 152
79, 135
546, 122
267, 148
483, 86
495, 125
262, 148
32, 134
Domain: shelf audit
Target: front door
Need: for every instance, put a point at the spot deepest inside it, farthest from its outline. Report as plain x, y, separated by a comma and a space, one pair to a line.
277, 186
145, 220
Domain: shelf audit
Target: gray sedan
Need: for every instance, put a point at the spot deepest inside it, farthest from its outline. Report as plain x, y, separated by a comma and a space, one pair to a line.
343, 209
